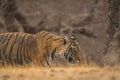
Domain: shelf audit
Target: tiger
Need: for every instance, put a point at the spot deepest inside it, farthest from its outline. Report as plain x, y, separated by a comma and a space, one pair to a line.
23, 48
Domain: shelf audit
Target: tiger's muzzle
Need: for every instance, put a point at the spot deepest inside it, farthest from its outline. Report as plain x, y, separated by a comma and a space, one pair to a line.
70, 58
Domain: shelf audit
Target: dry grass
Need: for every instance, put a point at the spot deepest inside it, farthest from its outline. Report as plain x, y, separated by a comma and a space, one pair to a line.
59, 73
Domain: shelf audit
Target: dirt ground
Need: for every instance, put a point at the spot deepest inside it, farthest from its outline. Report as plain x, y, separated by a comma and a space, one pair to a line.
68, 73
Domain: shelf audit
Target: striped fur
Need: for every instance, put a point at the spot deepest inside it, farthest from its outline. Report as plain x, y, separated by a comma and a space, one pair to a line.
21, 48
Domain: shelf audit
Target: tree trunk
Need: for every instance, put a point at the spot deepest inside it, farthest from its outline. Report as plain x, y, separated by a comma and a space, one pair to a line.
112, 50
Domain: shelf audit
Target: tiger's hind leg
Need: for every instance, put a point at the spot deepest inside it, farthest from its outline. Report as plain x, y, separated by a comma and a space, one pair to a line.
4, 45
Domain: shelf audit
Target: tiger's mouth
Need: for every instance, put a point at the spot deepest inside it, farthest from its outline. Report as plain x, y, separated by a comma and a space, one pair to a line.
69, 58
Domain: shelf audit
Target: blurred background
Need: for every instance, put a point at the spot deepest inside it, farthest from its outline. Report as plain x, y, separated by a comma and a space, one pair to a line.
87, 19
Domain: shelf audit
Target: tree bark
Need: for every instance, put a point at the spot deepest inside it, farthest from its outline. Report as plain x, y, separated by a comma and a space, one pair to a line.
11, 13
112, 50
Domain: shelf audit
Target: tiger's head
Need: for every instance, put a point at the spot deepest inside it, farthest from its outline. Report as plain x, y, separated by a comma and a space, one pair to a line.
66, 47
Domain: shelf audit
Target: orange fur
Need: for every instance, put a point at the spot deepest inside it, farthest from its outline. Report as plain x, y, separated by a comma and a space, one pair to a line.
21, 48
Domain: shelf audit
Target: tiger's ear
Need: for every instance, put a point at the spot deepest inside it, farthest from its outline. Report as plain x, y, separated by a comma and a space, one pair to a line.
72, 37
